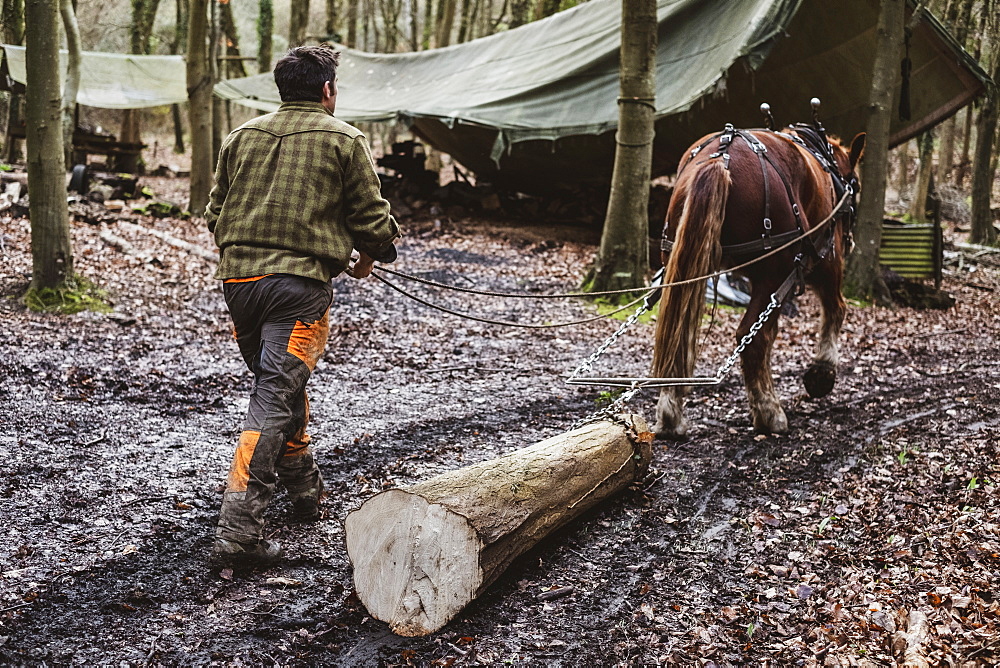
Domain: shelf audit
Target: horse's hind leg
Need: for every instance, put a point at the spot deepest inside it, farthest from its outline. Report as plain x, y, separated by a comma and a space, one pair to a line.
821, 374
670, 421
765, 408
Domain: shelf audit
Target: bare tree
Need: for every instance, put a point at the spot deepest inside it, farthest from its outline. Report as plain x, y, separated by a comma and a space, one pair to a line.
959, 18
863, 277
230, 36
199, 85
332, 16
624, 254
925, 175
265, 30
72, 87
446, 21
298, 22
352, 23
546, 8
179, 45
520, 12
13, 33
51, 252
984, 160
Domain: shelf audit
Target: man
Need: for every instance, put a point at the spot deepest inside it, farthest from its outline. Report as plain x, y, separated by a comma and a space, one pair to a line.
296, 191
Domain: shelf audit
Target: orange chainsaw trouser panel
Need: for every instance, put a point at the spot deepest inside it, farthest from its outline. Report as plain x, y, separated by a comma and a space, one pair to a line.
281, 323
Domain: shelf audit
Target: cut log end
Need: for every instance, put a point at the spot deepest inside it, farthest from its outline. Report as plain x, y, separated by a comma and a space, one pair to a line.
414, 571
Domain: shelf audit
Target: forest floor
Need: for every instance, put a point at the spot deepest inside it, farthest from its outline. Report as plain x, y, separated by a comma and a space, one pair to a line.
869, 534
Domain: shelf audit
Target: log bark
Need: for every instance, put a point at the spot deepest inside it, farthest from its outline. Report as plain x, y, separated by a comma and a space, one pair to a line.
421, 553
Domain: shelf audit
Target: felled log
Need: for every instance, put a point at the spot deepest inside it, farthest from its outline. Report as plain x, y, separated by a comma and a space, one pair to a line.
421, 553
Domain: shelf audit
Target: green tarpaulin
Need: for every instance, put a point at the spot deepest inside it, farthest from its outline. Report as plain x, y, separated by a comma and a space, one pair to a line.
536, 107
117, 81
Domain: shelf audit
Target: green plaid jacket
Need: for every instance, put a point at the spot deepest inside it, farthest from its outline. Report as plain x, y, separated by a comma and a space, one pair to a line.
295, 191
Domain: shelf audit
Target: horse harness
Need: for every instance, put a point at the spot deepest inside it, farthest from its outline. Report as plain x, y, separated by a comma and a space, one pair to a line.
815, 143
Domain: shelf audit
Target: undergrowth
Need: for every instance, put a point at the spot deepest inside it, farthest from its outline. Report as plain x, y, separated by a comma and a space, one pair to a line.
75, 295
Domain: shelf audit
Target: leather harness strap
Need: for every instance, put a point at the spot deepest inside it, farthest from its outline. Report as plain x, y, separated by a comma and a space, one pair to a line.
817, 146
767, 240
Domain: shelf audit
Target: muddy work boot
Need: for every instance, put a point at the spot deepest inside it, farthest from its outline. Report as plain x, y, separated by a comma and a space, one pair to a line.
305, 510
245, 555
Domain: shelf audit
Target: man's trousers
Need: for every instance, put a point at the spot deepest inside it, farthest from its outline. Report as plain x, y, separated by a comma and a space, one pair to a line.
281, 323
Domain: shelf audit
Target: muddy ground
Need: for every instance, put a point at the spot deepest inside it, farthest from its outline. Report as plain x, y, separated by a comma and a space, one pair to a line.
870, 532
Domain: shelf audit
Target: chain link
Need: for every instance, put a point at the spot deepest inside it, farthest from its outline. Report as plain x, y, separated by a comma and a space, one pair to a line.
611, 411
727, 366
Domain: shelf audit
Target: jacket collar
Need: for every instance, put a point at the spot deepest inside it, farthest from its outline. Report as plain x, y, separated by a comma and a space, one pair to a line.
304, 105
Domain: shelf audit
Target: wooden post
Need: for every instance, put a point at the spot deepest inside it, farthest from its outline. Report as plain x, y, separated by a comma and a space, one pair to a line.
422, 553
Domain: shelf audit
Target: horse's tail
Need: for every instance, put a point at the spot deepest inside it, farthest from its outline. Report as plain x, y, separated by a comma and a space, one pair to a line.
696, 252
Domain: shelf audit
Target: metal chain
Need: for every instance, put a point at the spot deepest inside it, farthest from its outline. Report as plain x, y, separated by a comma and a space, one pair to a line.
611, 411
728, 365
588, 363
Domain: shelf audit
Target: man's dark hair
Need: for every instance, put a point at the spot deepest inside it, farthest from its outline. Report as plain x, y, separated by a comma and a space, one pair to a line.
301, 73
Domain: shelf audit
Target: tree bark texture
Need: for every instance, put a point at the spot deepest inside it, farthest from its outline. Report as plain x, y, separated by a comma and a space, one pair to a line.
520, 12
332, 15
265, 32
446, 22
352, 23
983, 166
903, 177
51, 252
13, 33
623, 258
227, 25
199, 86
428, 31
179, 45
298, 23
72, 87
925, 173
549, 7
421, 553
143, 17
863, 276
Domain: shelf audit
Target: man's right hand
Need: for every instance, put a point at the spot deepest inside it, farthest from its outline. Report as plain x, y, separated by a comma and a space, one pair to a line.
361, 266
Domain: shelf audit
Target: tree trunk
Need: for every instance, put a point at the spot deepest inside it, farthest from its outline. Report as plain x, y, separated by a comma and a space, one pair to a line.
72, 85
413, 16
51, 252
549, 7
421, 553
227, 25
265, 33
965, 159
903, 177
179, 45
298, 23
925, 170
520, 12
863, 277
961, 20
447, 22
623, 258
199, 85
330, 26
13, 33
465, 25
352, 23
428, 24
946, 150
143, 17
983, 167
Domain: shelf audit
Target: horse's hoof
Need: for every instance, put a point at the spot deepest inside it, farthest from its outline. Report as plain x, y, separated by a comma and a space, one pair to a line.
678, 433
819, 379
773, 422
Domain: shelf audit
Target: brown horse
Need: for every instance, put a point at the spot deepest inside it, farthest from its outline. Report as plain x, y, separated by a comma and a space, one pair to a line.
739, 195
